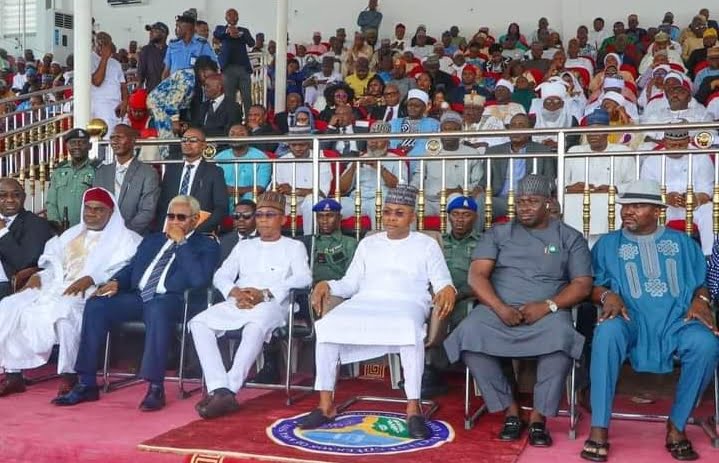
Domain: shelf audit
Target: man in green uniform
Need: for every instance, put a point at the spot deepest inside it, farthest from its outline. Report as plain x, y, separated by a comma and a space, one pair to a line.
458, 246
332, 251
70, 180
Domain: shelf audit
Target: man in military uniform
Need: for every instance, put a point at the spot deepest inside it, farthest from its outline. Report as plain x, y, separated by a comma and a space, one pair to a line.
458, 246
70, 180
183, 51
332, 251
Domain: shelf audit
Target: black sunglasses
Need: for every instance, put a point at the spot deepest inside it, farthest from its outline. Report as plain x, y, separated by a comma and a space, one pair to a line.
243, 215
178, 217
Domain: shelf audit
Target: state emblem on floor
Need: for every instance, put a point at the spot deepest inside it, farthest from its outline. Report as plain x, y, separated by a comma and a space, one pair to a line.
359, 433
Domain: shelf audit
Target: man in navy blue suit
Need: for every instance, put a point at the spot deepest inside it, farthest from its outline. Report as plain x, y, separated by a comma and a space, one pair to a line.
151, 287
235, 63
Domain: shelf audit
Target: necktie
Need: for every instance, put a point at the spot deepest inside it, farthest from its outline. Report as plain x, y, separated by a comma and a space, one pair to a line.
291, 120
185, 185
390, 114
210, 110
152, 282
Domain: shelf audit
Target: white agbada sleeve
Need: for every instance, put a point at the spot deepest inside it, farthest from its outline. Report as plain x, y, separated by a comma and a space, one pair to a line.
651, 169
300, 273
348, 286
703, 171
226, 275
437, 269
51, 263
325, 178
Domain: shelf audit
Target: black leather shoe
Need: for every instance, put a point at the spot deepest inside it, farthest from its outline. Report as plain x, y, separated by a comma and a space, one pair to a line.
154, 399
512, 429
539, 435
417, 427
221, 402
79, 394
314, 420
13, 383
433, 384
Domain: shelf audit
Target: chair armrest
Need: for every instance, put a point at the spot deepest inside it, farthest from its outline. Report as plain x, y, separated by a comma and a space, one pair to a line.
20, 279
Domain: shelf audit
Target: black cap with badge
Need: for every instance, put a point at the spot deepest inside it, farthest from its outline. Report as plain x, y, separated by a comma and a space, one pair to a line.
76, 133
158, 25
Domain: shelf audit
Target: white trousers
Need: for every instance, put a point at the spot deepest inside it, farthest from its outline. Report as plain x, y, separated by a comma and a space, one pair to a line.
105, 110
368, 208
205, 339
327, 356
703, 221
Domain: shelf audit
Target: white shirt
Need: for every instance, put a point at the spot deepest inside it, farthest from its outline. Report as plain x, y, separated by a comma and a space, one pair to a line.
109, 90
422, 52
677, 170
193, 172
217, 102
454, 173
146, 276
303, 174
120, 173
599, 174
19, 81
340, 145
3, 232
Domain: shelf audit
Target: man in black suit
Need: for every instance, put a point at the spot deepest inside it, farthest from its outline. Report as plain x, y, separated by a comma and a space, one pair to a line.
343, 122
518, 144
243, 227
286, 119
150, 288
197, 178
258, 125
392, 108
22, 234
219, 112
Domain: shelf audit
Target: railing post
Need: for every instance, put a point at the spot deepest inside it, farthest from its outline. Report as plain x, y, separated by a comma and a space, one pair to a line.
561, 151
316, 178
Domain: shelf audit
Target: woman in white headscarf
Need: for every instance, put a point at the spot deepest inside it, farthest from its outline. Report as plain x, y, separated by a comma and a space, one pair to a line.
611, 60
552, 111
49, 310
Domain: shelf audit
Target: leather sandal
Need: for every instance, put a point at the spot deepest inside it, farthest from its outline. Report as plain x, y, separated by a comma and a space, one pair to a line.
595, 451
682, 450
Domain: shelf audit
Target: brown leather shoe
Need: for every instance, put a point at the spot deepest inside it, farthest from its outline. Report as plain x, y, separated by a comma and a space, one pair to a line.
67, 382
220, 404
13, 383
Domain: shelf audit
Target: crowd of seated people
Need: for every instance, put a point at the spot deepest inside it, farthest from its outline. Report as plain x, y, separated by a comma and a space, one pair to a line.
167, 224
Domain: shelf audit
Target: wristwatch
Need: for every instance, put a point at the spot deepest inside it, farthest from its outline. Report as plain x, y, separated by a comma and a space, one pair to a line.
266, 295
552, 305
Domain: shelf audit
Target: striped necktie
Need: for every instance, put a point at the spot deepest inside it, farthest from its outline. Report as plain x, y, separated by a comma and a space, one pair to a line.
151, 286
185, 185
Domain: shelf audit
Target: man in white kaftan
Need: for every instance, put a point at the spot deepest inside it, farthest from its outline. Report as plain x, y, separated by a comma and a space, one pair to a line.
387, 288
256, 280
49, 310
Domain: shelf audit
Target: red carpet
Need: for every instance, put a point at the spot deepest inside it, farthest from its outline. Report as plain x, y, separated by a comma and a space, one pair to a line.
243, 435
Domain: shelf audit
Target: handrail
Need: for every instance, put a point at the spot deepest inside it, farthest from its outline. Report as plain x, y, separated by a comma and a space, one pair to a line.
459, 134
39, 92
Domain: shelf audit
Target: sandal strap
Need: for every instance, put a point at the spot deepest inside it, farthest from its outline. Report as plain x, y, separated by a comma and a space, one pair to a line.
594, 446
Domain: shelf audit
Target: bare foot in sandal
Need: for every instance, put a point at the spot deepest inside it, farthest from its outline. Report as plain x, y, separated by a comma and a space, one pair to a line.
596, 448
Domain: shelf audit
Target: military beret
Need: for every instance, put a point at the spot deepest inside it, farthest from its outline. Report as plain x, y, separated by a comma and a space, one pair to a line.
327, 205
462, 202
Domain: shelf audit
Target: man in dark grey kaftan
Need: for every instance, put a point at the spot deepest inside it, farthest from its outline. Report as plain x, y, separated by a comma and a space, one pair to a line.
527, 275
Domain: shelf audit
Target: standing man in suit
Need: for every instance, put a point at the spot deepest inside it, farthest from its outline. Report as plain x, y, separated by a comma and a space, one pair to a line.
150, 287
218, 113
518, 144
22, 234
343, 122
197, 178
134, 183
233, 57
244, 227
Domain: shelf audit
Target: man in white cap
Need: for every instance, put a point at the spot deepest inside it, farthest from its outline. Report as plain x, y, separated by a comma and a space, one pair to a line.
650, 284
677, 178
454, 172
392, 172
503, 108
475, 118
386, 308
416, 121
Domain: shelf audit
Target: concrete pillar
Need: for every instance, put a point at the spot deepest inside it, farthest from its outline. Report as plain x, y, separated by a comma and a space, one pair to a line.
82, 9
281, 56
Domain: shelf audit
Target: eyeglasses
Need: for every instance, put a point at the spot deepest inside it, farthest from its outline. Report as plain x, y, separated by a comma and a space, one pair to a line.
243, 215
267, 215
396, 213
191, 140
178, 217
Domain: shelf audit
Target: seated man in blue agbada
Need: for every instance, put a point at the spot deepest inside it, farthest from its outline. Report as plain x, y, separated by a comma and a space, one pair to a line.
649, 283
